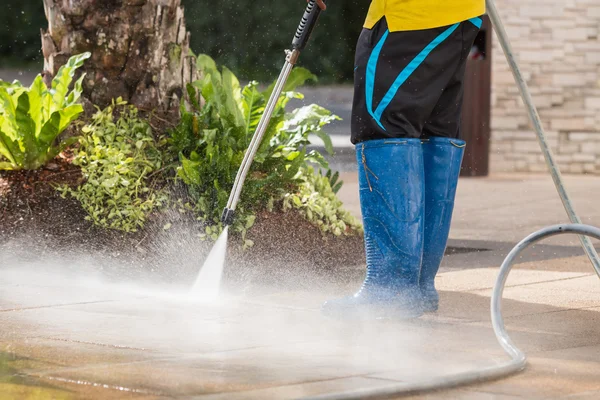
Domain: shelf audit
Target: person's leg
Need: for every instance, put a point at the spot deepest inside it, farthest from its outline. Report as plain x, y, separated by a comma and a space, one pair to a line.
390, 173
400, 77
442, 156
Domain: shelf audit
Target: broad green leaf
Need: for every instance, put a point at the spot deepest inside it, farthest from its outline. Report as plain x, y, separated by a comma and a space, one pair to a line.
326, 140
64, 77
253, 106
208, 88
333, 178
292, 156
193, 96
36, 107
27, 133
337, 187
5, 166
189, 171
298, 77
9, 147
9, 108
231, 100
75, 94
50, 130
207, 65
274, 127
317, 158
68, 115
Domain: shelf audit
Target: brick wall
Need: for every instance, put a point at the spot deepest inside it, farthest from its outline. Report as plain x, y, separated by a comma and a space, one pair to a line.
558, 48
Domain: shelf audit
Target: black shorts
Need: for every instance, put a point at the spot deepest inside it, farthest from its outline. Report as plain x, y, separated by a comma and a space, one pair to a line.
410, 83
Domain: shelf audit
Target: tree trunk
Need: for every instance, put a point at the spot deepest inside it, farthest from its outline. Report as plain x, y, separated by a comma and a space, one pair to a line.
140, 49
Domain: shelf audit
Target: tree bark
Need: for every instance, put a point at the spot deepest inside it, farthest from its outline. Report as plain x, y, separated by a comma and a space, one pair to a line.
140, 49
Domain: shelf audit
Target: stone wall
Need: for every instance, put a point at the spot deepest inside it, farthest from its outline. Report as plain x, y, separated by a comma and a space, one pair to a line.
558, 48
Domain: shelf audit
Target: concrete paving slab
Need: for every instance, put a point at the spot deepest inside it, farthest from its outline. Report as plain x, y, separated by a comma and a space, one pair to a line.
556, 293
294, 347
583, 353
591, 395
545, 379
532, 288
485, 278
294, 391
469, 254
460, 394
53, 353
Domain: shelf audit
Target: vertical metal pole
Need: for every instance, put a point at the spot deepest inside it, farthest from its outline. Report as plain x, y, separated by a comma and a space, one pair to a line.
588, 247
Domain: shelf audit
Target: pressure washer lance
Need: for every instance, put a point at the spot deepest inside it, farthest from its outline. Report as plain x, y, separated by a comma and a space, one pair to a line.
307, 24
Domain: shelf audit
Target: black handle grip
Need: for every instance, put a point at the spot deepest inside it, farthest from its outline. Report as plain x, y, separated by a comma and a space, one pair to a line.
307, 24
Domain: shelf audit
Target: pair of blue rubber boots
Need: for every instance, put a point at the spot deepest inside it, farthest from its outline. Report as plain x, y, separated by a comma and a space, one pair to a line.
407, 190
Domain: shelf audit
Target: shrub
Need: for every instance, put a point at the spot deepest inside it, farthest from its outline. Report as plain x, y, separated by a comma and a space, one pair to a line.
211, 142
117, 156
316, 200
31, 119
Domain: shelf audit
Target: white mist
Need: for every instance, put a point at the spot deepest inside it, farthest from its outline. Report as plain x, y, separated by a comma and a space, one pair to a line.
208, 283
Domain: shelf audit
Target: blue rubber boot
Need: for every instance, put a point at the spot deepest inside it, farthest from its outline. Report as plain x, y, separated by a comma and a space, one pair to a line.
442, 159
392, 199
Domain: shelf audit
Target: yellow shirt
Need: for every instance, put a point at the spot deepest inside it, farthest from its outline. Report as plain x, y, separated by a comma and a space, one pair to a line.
412, 15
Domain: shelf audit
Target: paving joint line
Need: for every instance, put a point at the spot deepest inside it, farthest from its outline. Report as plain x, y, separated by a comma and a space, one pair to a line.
114, 346
81, 382
56, 305
532, 283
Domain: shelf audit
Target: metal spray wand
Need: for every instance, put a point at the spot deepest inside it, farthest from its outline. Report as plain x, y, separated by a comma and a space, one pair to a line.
307, 24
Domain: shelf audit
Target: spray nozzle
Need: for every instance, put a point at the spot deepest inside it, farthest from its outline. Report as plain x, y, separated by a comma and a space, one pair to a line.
227, 216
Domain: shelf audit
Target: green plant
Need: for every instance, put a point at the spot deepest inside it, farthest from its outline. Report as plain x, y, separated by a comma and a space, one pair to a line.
117, 156
31, 119
211, 142
316, 200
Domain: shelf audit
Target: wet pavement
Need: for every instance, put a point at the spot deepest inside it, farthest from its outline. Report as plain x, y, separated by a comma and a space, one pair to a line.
79, 337
72, 336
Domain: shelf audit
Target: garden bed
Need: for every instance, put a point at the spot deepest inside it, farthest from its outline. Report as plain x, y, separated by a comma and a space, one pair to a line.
39, 225
136, 200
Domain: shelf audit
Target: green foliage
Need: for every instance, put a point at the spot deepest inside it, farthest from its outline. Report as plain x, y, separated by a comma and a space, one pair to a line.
249, 36
20, 24
32, 118
117, 159
316, 200
211, 143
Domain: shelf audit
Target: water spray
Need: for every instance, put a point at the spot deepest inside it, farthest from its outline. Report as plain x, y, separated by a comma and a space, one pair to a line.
208, 282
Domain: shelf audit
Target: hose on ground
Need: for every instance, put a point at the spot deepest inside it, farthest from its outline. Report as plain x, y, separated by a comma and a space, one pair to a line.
517, 361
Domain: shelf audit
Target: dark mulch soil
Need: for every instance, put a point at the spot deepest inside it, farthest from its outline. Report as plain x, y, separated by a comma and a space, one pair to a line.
37, 224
